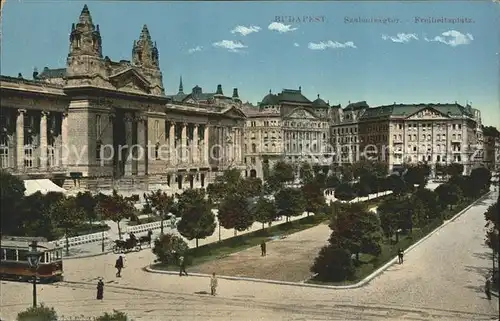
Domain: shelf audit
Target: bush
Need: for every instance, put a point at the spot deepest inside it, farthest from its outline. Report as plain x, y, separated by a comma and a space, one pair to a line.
39, 313
115, 316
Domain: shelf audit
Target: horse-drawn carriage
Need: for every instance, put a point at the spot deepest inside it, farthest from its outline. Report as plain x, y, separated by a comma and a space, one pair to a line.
132, 243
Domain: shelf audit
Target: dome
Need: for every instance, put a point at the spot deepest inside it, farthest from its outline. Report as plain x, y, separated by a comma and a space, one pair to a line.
319, 103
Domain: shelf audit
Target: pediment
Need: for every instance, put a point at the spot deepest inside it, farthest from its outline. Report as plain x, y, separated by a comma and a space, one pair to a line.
427, 113
130, 80
301, 113
233, 112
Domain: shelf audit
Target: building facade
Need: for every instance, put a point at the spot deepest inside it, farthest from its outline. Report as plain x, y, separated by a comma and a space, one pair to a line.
491, 155
430, 133
101, 124
287, 126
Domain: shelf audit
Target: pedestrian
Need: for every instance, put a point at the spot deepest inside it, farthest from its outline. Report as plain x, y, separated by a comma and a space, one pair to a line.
182, 266
100, 289
487, 288
400, 256
119, 266
213, 284
263, 248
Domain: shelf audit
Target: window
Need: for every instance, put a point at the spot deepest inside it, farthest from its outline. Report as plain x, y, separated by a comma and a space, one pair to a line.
98, 127
157, 151
157, 130
51, 155
10, 254
4, 151
254, 148
98, 150
28, 157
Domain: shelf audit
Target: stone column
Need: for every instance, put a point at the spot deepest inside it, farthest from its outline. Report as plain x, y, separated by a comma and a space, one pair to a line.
128, 141
194, 149
206, 150
64, 149
172, 154
222, 146
142, 151
43, 140
20, 139
184, 152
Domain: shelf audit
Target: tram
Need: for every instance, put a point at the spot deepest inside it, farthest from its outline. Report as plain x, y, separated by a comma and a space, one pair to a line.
14, 260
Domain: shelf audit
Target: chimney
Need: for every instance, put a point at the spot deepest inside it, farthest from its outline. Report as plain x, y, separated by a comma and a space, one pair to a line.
235, 93
300, 88
20, 76
35, 73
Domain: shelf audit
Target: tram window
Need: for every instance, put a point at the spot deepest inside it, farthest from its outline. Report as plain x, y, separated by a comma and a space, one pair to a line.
23, 255
10, 254
2, 253
58, 254
42, 258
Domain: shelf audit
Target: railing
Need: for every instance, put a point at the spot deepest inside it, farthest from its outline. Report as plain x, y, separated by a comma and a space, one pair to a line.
83, 239
151, 226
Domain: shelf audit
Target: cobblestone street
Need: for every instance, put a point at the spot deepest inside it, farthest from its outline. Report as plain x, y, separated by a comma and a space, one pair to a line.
441, 279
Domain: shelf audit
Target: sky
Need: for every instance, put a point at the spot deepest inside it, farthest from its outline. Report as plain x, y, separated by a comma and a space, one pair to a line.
380, 52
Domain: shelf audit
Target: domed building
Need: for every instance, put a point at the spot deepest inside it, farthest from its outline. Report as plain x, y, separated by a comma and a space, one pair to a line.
289, 126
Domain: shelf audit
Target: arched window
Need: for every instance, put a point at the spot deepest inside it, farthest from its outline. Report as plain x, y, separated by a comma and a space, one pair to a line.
254, 148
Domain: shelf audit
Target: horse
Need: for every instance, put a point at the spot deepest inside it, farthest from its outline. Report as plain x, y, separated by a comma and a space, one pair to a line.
146, 239
123, 246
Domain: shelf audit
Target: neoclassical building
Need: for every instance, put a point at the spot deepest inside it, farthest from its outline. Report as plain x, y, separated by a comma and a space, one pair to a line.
431, 133
287, 126
101, 124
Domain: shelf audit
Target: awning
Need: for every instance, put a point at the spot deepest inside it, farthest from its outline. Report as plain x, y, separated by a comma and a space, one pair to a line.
43, 186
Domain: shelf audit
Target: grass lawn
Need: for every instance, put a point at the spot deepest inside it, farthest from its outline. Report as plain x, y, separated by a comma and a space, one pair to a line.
219, 250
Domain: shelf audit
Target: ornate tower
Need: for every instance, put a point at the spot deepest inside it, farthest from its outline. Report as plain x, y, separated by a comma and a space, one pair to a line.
145, 52
85, 51
146, 57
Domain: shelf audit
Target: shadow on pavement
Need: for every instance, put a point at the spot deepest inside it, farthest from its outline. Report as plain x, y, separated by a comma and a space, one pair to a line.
481, 270
483, 256
202, 292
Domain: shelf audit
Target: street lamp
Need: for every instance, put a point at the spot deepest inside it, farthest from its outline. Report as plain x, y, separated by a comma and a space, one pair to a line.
34, 260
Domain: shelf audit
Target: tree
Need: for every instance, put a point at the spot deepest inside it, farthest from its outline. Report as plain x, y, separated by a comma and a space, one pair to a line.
492, 217
306, 173
454, 169
345, 192
235, 213
68, 216
391, 214
362, 189
87, 203
417, 175
197, 220
168, 247
281, 174
397, 185
481, 177
114, 208
252, 186
162, 204
429, 199
313, 197
332, 181
357, 230
466, 186
39, 313
11, 200
333, 264
264, 211
448, 194
290, 202
34, 217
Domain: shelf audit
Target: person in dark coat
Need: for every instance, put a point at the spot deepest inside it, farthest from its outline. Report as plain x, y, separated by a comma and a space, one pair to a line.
487, 289
119, 266
182, 266
263, 248
400, 256
100, 289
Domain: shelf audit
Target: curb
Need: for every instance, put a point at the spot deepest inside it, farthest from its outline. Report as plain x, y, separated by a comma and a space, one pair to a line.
361, 283
85, 256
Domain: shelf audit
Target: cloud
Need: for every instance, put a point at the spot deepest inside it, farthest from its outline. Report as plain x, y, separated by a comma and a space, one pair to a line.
401, 37
296, 44
242, 30
280, 27
330, 44
195, 49
233, 46
452, 38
